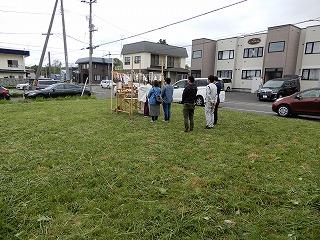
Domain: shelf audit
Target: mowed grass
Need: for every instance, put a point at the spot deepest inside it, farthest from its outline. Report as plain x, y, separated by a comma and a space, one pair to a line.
75, 170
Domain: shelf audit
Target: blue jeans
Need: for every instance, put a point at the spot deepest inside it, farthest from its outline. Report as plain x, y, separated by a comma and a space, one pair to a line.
166, 111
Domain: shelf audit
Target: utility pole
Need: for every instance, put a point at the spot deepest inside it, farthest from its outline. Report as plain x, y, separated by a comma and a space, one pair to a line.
46, 41
91, 30
65, 42
49, 64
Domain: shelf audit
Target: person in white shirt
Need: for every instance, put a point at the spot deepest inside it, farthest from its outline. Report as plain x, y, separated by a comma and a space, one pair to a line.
210, 102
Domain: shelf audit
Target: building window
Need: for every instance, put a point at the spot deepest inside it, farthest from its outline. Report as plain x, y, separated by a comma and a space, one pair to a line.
249, 74
312, 47
137, 59
95, 66
127, 61
224, 74
196, 73
197, 54
97, 77
276, 46
13, 63
170, 62
311, 74
154, 60
223, 55
253, 52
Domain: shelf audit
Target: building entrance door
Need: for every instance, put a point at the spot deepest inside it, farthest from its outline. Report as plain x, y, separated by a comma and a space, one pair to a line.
272, 73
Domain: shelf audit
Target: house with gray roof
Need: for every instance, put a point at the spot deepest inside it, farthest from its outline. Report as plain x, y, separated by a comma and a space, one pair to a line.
101, 69
12, 63
149, 58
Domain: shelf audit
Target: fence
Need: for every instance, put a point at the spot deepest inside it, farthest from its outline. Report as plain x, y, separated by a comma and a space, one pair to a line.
12, 82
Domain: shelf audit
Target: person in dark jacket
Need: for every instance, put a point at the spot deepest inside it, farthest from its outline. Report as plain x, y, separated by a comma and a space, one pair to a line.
188, 99
219, 87
166, 94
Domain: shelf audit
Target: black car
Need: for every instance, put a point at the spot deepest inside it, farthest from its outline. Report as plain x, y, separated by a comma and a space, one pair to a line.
58, 90
279, 87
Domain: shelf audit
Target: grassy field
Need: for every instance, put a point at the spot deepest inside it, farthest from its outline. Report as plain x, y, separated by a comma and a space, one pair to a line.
75, 170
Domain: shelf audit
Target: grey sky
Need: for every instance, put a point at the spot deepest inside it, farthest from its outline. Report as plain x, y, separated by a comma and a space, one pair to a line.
116, 19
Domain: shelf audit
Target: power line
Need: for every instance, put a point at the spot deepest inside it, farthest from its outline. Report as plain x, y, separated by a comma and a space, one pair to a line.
22, 12
171, 24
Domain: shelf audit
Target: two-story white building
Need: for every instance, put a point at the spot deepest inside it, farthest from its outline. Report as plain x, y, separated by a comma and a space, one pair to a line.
308, 62
150, 58
12, 64
277, 52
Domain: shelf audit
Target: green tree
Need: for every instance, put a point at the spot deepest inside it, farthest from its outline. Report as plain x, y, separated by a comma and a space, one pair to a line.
117, 64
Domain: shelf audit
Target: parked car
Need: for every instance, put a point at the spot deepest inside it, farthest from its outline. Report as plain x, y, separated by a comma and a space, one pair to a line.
306, 102
201, 84
58, 90
4, 93
23, 86
227, 84
279, 87
106, 84
45, 82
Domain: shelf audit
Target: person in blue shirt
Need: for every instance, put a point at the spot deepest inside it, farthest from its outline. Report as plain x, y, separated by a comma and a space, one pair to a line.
154, 105
219, 87
166, 94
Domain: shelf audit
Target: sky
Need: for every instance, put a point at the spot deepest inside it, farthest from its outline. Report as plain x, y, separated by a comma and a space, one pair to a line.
23, 22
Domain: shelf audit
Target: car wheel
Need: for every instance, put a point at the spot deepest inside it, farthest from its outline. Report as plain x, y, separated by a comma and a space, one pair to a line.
283, 111
228, 89
199, 101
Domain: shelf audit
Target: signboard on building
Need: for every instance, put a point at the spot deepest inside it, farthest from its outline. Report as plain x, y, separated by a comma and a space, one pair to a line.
254, 41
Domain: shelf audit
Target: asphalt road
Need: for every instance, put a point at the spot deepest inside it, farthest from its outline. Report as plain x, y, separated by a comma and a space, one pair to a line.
238, 101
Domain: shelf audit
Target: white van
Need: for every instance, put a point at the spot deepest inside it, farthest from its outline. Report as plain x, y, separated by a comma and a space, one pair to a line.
201, 84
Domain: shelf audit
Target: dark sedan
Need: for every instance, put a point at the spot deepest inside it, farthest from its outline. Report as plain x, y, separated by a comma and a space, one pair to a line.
4, 93
306, 102
58, 90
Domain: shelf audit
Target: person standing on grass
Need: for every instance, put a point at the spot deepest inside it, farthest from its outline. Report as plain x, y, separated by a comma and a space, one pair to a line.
146, 104
188, 99
219, 87
154, 105
166, 94
211, 100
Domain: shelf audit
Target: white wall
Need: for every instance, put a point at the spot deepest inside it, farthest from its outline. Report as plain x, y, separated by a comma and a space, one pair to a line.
222, 45
308, 61
4, 65
247, 63
145, 61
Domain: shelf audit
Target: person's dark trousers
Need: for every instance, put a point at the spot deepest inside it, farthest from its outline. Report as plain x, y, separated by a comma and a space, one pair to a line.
188, 113
154, 118
146, 108
216, 112
166, 111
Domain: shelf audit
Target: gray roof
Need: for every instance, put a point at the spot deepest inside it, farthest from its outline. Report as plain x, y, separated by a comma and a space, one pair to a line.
94, 60
155, 48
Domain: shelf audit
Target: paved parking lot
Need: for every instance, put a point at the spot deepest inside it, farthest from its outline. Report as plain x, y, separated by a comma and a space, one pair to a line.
246, 102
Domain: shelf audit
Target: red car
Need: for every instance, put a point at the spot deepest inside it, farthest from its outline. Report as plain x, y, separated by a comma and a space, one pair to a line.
4, 93
306, 102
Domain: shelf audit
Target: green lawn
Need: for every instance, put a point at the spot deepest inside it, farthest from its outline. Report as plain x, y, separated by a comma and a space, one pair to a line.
75, 170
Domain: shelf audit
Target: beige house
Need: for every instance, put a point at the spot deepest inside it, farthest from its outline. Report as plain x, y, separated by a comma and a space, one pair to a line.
150, 58
279, 51
12, 64
308, 62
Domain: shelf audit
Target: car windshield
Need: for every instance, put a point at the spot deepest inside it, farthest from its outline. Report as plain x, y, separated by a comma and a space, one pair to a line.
273, 84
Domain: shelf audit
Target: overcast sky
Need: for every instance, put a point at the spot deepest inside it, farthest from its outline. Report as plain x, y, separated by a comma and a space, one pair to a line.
22, 22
